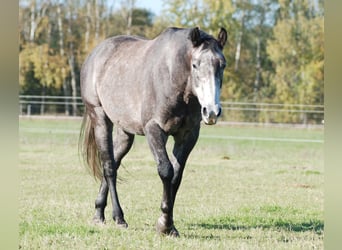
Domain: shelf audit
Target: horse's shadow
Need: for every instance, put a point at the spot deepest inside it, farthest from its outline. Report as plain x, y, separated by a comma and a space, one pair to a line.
315, 226
312, 225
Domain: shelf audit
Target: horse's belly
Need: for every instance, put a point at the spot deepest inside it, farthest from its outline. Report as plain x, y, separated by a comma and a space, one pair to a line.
122, 107
132, 127
128, 122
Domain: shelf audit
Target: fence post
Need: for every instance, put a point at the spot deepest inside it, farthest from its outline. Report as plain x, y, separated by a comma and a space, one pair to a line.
28, 109
42, 106
305, 120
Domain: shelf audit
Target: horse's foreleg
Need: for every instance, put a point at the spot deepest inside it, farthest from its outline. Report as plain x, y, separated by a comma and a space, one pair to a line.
184, 143
157, 140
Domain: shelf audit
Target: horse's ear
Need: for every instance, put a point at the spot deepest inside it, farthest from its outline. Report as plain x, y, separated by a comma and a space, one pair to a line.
195, 37
222, 37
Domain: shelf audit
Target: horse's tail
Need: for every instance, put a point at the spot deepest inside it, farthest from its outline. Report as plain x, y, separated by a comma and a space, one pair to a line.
88, 149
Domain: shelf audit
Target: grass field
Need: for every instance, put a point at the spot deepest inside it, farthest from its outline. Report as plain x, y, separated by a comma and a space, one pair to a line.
238, 192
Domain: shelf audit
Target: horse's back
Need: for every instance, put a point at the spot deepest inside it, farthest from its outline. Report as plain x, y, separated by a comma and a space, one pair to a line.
105, 56
136, 80
111, 77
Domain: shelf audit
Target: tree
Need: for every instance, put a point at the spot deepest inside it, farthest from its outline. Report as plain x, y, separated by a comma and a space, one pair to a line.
209, 16
297, 51
275, 50
56, 36
39, 65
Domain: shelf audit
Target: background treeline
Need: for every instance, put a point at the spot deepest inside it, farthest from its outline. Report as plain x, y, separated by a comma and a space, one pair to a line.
275, 51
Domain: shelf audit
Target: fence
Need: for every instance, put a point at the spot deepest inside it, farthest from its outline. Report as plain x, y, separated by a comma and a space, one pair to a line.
273, 112
56, 105
231, 111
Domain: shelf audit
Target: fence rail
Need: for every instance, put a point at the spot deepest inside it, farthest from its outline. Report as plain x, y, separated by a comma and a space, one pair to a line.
42, 105
231, 111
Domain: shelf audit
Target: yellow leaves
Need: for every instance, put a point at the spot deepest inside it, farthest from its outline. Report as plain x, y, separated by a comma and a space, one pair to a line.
47, 66
297, 52
219, 6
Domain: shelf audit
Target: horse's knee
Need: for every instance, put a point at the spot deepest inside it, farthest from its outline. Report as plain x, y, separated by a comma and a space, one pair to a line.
101, 201
165, 171
109, 169
166, 207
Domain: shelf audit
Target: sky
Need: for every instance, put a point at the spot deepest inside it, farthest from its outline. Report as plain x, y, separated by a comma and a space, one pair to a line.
152, 5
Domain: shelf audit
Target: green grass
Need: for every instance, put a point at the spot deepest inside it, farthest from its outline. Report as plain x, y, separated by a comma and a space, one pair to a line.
235, 194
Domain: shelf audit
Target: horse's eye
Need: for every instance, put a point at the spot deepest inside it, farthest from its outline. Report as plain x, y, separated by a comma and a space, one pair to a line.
194, 66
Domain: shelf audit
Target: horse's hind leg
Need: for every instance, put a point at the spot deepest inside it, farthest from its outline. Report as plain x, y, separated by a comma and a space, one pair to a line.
101, 202
103, 129
122, 143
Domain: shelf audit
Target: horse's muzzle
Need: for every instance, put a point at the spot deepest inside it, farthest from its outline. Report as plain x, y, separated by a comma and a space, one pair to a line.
210, 116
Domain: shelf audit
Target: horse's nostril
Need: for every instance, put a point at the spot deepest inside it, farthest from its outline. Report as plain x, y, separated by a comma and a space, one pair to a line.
219, 112
205, 111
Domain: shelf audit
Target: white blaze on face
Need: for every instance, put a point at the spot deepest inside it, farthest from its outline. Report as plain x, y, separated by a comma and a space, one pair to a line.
208, 94
206, 86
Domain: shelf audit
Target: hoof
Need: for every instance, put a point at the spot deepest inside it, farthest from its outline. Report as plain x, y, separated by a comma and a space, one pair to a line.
121, 223
99, 218
166, 230
99, 221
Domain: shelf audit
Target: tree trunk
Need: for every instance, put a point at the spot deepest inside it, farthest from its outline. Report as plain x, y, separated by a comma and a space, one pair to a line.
257, 71
238, 46
62, 53
42, 105
97, 21
107, 19
33, 21
71, 61
259, 38
129, 20
87, 33
36, 15
128, 14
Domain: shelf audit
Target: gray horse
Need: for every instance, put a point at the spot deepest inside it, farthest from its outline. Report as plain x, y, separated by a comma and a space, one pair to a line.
156, 88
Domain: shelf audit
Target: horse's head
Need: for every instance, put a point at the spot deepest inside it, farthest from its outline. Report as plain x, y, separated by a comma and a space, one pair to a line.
207, 65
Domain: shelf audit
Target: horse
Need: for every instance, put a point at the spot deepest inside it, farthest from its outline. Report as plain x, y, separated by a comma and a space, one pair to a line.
157, 88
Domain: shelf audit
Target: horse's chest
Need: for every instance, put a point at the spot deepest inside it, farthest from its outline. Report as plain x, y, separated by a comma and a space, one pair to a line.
173, 124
